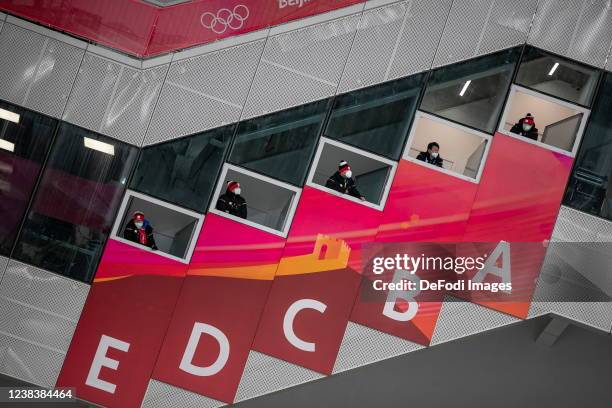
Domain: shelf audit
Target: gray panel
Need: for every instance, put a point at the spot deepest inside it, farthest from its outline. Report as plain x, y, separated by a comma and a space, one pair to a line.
114, 99
131, 107
576, 226
420, 37
483, 26
264, 374
459, 319
21, 321
44, 290
37, 71
204, 92
3, 263
301, 66
578, 29
30, 362
374, 47
162, 395
362, 345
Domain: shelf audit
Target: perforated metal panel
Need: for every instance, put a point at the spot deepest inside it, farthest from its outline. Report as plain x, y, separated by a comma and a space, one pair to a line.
424, 23
362, 345
162, 395
36, 71
459, 319
374, 47
483, 26
30, 362
3, 263
204, 92
576, 226
264, 374
578, 29
301, 66
114, 99
44, 290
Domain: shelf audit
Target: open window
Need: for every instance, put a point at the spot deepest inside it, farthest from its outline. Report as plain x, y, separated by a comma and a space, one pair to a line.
557, 125
461, 151
371, 174
556, 76
262, 202
174, 229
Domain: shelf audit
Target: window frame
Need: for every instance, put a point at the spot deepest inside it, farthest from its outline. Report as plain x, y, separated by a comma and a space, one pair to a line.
483, 161
311, 173
117, 226
583, 123
266, 179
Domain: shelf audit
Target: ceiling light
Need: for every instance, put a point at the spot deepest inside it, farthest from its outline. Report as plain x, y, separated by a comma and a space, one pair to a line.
465, 87
554, 68
99, 146
6, 145
8, 115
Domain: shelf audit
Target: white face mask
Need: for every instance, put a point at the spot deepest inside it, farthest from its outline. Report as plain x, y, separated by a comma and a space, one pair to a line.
434, 154
138, 224
237, 191
526, 127
348, 174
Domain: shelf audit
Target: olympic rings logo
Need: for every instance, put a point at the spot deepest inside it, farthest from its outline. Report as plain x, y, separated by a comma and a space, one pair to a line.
225, 19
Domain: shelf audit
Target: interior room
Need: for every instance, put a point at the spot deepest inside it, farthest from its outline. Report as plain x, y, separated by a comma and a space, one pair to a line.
371, 174
270, 204
558, 124
173, 231
462, 150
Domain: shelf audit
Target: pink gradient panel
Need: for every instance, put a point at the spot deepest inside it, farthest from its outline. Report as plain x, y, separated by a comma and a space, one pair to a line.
131, 300
227, 286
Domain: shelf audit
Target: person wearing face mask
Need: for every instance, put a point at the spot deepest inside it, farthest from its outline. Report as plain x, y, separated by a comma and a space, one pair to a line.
526, 127
432, 155
343, 182
139, 230
232, 202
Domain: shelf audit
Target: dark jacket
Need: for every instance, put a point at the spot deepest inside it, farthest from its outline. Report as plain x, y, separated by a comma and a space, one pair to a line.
131, 234
343, 185
232, 204
518, 129
427, 158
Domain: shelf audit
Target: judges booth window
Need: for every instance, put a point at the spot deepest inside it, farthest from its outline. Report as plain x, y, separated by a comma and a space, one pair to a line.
255, 200
557, 76
461, 151
376, 119
368, 182
183, 171
590, 186
166, 230
280, 145
75, 203
25, 138
472, 93
556, 124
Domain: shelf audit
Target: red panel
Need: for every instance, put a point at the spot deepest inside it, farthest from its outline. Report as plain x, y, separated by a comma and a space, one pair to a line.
227, 286
143, 29
320, 263
424, 205
131, 300
125, 25
518, 201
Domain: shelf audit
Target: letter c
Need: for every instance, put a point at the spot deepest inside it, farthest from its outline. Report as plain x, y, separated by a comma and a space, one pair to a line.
293, 310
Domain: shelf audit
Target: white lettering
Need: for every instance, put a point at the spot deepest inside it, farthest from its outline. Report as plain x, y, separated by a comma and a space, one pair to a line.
407, 295
293, 310
192, 345
505, 273
100, 360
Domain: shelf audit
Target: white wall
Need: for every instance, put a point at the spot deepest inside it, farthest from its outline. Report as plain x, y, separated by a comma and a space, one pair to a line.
544, 112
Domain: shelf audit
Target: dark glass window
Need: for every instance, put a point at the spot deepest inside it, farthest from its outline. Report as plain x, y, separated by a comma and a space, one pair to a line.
558, 77
24, 143
473, 92
75, 203
590, 186
280, 145
183, 171
376, 119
